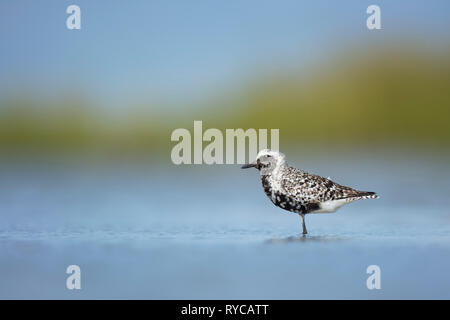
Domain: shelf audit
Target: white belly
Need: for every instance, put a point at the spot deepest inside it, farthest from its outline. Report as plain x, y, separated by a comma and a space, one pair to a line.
331, 205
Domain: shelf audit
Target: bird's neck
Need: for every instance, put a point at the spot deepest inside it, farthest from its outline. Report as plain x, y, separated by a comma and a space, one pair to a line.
272, 177
278, 169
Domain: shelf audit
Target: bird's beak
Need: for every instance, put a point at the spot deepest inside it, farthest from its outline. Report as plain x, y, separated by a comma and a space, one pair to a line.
249, 165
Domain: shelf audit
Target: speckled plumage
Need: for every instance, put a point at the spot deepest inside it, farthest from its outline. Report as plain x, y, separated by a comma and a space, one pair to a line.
301, 192
298, 191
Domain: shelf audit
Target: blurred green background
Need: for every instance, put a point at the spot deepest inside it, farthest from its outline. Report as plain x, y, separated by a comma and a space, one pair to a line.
386, 96
329, 83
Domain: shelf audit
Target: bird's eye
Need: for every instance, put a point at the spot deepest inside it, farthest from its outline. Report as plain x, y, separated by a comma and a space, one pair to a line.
269, 156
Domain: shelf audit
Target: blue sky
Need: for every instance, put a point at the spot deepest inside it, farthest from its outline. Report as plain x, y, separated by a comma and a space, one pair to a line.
182, 49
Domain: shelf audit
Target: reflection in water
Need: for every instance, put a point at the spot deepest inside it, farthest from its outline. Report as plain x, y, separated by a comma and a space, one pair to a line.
306, 238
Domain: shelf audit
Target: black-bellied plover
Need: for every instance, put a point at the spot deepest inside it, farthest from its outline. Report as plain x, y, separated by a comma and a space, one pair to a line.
298, 191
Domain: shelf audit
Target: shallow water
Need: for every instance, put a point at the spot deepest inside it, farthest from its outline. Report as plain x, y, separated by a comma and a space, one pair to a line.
140, 231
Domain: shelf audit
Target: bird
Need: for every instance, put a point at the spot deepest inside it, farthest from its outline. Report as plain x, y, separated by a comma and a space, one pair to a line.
301, 192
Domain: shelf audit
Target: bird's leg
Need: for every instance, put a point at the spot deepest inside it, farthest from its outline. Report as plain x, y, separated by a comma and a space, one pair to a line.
302, 215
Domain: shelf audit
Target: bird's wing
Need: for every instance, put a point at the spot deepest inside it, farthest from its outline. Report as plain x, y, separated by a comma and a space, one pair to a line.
310, 188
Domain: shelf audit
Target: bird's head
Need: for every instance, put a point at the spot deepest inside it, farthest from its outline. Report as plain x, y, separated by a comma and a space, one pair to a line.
267, 161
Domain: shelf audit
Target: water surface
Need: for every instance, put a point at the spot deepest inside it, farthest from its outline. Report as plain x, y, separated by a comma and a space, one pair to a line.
149, 232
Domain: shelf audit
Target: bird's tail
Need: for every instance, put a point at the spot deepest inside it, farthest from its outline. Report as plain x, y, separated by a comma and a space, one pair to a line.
365, 195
